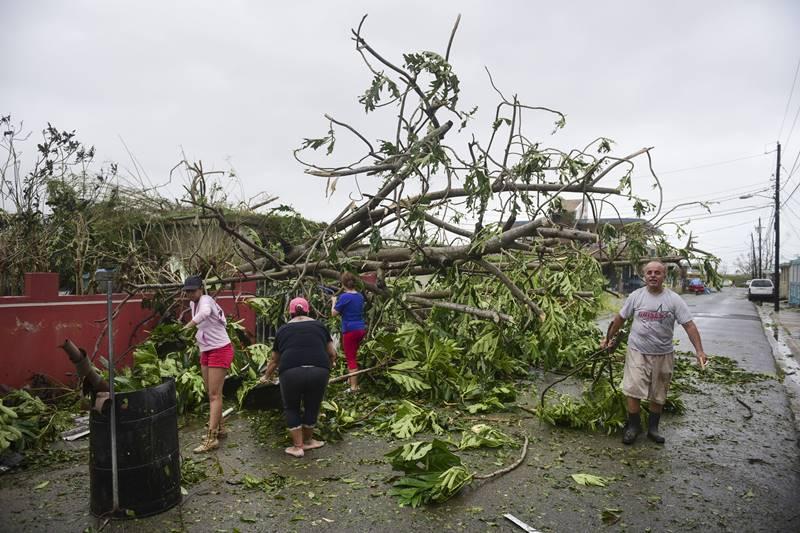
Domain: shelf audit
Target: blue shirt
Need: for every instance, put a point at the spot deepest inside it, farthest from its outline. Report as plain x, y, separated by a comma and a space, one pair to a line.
351, 306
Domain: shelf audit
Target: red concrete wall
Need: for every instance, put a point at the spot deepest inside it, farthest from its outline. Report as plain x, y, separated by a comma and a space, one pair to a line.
33, 326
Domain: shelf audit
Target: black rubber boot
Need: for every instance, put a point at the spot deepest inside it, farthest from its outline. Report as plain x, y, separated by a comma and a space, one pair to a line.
632, 428
652, 430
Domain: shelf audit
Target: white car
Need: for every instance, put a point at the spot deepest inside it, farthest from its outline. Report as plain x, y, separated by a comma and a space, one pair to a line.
760, 289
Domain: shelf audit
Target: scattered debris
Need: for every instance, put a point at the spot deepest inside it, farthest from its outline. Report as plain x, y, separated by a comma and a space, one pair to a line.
9, 460
610, 516
80, 430
519, 523
588, 480
749, 414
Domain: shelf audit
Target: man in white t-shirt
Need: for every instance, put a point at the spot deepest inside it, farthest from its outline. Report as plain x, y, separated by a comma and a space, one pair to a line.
650, 357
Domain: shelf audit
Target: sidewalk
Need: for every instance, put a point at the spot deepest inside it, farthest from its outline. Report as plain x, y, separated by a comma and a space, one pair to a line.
783, 333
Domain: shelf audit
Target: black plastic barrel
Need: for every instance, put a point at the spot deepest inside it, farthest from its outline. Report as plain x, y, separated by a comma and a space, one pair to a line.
148, 456
263, 396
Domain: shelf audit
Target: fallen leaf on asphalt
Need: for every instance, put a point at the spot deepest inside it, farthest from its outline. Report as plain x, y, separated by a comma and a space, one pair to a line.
590, 480
41, 485
610, 516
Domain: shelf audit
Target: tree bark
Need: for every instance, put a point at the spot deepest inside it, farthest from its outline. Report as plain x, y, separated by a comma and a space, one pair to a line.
461, 308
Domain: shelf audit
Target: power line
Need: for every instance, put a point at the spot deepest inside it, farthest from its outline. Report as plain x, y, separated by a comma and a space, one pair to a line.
789, 101
727, 227
794, 123
789, 221
704, 165
794, 165
792, 212
729, 189
734, 196
719, 214
793, 190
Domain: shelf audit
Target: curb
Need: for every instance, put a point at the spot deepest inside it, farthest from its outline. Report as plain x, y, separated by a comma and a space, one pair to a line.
785, 360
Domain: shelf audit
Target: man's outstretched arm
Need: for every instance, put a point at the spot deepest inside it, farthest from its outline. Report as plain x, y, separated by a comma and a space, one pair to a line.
616, 323
694, 337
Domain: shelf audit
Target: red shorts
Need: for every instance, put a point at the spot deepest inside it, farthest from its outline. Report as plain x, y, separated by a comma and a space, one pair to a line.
351, 340
218, 357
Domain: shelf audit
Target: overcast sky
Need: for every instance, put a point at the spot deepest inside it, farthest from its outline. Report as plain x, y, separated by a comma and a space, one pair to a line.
239, 84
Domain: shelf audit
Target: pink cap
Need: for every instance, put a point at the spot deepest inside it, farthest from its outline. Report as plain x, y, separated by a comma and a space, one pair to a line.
298, 302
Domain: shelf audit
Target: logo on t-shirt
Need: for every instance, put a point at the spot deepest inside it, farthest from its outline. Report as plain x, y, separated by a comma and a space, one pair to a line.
659, 315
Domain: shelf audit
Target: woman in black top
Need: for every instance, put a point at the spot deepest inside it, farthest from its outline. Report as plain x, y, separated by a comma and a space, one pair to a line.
303, 354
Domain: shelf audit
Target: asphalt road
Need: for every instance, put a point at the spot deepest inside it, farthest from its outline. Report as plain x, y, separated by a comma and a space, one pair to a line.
718, 471
730, 325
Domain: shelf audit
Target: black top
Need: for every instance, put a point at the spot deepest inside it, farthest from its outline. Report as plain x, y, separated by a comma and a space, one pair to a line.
302, 343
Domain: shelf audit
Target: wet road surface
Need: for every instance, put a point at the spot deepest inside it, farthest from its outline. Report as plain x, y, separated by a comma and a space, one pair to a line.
718, 470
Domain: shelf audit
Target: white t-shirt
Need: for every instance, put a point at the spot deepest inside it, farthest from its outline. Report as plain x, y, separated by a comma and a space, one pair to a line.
654, 317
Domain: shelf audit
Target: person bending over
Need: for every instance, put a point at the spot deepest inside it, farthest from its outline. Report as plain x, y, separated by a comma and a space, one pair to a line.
303, 354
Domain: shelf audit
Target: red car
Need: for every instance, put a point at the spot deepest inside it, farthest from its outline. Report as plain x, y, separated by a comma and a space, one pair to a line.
696, 286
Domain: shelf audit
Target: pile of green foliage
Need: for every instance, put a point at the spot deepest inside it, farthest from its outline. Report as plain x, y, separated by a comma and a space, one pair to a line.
432, 473
27, 422
170, 352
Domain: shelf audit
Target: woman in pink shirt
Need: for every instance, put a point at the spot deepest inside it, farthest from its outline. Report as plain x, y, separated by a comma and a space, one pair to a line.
216, 354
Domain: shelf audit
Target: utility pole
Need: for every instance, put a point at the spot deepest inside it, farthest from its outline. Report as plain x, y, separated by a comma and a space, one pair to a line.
753, 270
778, 230
760, 271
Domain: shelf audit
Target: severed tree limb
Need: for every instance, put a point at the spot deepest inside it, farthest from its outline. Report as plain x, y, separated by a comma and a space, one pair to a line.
433, 294
482, 313
452, 35
362, 212
449, 227
510, 467
223, 224
106, 325
357, 134
580, 294
571, 234
345, 377
644, 260
516, 291
373, 169
364, 217
616, 163
410, 80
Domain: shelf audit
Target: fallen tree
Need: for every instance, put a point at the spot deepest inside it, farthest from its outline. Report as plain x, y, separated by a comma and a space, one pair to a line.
475, 269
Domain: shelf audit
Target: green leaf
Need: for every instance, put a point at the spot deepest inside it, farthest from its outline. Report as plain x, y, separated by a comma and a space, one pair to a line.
409, 383
405, 365
610, 515
590, 480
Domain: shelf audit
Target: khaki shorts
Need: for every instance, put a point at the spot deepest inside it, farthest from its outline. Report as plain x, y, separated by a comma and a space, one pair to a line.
647, 377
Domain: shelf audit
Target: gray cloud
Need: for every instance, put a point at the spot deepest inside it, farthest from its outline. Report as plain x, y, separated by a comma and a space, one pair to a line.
241, 83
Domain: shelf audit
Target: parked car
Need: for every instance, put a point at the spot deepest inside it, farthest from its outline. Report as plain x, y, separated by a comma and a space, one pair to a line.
696, 286
760, 289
